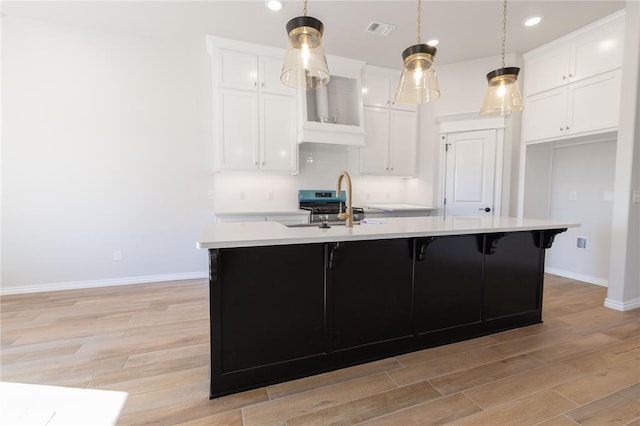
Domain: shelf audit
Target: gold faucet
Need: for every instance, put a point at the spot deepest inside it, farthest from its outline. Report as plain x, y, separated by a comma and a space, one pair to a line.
349, 213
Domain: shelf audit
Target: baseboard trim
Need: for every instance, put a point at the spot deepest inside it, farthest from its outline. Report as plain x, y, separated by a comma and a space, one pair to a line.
578, 277
622, 306
74, 285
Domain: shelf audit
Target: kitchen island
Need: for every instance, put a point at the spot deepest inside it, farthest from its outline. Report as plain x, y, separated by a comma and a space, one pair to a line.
287, 302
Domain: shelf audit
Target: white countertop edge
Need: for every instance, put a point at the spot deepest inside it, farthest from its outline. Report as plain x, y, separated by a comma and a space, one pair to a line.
254, 234
398, 207
263, 213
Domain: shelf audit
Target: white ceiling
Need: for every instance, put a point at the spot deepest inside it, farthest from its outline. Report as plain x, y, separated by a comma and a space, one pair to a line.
466, 29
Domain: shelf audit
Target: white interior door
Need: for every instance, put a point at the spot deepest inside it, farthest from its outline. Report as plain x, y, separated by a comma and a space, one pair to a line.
470, 173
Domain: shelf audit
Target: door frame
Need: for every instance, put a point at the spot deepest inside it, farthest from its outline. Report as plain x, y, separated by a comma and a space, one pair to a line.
470, 122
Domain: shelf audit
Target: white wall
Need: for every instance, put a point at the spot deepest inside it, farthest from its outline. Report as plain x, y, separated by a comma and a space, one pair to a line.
106, 146
102, 149
586, 171
624, 277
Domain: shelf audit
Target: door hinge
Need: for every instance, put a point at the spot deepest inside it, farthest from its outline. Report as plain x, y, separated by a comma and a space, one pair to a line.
445, 201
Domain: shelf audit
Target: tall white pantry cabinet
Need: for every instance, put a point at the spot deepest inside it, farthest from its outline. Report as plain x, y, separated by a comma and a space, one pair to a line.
254, 113
572, 89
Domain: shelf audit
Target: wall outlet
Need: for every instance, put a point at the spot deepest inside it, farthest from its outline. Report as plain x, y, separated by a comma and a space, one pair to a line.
581, 242
272, 196
573, 196
117, 255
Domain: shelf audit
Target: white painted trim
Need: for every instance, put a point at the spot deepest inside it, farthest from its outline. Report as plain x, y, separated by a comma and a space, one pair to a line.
579, 277
497, 178
73, 285
468, 122
622, 306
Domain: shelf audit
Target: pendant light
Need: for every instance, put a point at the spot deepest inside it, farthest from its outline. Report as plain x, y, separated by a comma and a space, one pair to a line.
503, 95
305, 66
418, 82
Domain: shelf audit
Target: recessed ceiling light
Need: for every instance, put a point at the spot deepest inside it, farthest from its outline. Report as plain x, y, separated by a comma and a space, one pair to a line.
273, 4
534, 20
433, 42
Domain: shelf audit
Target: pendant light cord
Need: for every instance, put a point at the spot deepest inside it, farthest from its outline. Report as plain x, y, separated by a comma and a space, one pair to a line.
504, 29
419, 20
304, 8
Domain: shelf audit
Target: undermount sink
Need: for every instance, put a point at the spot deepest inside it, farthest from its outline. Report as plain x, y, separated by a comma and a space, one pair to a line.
318, 225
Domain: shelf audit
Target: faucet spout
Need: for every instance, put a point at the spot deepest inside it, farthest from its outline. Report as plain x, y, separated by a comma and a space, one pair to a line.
348, 215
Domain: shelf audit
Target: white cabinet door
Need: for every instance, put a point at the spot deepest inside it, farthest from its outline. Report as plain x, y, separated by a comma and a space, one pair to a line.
547, 70
237, 70
470, 170
545, 115
598, 52
379, 89
374, 157
375, 90
270, 69
237, 130
403, 128
278, 148
594, 103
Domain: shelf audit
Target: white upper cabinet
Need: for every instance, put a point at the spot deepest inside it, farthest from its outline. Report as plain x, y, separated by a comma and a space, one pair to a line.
254, 113
270, 69
392, 127
333, 114
250, 71
572, 86
236, 69
583, 54
379, 88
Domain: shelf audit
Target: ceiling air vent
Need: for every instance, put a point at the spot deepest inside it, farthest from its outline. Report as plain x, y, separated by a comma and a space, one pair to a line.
380, 28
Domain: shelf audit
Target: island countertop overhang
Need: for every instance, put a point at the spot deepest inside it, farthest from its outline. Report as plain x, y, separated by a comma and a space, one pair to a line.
255, 234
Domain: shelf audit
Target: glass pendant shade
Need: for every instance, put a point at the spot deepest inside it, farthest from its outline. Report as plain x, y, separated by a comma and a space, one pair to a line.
305, 65
503, 95
418, 82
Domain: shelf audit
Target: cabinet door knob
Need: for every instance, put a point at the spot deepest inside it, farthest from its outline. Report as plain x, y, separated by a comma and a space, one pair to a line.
566, 128
264, 162
564, 77
561, 128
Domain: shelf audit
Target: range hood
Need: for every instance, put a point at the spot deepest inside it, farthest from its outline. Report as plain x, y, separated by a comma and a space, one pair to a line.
334, 114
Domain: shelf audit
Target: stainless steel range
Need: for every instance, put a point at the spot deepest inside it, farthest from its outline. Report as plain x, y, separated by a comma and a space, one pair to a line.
324, 205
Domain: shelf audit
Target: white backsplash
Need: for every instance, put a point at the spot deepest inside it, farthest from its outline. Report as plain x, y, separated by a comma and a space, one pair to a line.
319, 167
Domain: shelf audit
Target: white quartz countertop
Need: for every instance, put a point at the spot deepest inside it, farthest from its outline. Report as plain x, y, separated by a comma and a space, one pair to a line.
399, 207
249, 234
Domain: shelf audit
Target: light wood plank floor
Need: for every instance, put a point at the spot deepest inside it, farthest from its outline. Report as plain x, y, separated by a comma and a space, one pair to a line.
582, 366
